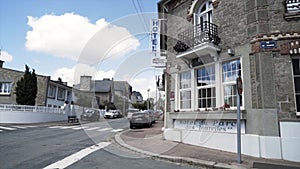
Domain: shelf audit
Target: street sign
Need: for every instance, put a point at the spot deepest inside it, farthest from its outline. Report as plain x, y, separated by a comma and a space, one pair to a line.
268, 44
239, 85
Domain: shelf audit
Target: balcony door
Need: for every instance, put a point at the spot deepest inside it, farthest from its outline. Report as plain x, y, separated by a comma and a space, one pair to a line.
204, 13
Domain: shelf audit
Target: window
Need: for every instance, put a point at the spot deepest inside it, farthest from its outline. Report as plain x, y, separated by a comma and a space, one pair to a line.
296, 70
61, 94
292, 10
5, 88
230, 71
185, 90
206, 87
204, 13
51, 91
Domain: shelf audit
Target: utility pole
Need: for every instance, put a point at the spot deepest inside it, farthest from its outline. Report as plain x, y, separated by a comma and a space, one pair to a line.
239, 86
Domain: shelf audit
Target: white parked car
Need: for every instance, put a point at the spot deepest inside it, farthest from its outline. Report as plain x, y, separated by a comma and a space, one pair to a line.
112, 114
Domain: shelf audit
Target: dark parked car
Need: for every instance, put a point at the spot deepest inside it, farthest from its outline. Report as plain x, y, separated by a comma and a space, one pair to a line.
141, 118
90, 115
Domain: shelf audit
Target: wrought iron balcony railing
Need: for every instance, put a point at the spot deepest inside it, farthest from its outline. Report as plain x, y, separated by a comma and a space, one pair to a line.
199, 34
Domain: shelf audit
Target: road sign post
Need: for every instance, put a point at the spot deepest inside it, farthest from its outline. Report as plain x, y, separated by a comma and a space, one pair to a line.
239, 86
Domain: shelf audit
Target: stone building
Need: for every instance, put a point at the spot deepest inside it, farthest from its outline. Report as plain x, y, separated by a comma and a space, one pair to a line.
50, 93
103, 94
208, 44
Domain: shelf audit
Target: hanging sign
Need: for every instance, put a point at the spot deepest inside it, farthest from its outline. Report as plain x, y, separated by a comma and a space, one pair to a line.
154, 36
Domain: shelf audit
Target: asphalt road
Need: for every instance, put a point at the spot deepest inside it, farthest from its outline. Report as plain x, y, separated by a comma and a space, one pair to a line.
87, 146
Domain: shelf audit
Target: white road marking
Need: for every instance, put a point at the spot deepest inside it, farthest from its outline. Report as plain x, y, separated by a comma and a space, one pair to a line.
54, 127
7, 128
19, 127
93, 128
77, 156
117, 130
66, 127
78, 128
105, 129
1, 130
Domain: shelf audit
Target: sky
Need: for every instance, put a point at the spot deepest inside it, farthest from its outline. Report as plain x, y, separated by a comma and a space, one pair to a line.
71, 38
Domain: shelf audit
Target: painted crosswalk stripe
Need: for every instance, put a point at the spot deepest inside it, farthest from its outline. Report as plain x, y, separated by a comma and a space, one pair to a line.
80, 128
66, 127
19, 127
54, 127
77, 156
7, 128
117, 130
105, 129
93, 128
1, 130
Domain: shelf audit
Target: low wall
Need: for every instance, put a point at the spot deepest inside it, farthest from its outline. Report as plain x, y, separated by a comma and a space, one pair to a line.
20, 117
285, 147
19, 114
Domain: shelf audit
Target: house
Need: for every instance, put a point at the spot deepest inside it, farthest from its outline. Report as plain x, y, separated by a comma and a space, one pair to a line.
208, 45
50, 93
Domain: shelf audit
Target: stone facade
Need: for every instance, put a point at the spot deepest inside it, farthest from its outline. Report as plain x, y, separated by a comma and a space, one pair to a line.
243, 27
13, 76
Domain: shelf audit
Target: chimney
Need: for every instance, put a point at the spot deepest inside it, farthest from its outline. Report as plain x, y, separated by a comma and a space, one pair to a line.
85, 83
1, 63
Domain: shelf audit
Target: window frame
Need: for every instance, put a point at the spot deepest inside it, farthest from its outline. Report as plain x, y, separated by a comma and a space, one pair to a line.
211, 85
296, 93
207, 13
183, 89
52, 91
5, 88
231, 82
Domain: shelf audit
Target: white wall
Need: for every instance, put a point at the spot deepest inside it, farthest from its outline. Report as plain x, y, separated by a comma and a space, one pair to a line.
290, 140
30, 117
285, 147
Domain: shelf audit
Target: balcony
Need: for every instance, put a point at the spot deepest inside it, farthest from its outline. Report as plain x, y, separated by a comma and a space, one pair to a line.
201, 39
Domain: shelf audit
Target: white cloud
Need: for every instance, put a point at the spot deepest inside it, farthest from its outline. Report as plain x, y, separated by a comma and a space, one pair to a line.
68, 34
4, 56
142, 84
72, 75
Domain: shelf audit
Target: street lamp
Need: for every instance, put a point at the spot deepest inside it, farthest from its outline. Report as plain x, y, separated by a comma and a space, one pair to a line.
148, 106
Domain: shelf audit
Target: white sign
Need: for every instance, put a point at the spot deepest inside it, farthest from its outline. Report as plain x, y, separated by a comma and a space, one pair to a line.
223, 126
159, 62
154, 44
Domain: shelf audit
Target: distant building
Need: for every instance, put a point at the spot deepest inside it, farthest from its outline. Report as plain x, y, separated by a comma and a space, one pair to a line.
136, 97
103, 94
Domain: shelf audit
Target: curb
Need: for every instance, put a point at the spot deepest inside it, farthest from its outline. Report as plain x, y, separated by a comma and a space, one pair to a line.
187, 160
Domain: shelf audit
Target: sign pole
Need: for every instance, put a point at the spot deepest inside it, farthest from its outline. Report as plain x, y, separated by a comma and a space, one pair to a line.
239, 92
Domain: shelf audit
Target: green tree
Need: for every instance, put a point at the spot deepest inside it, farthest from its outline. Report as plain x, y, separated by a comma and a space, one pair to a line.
26, 89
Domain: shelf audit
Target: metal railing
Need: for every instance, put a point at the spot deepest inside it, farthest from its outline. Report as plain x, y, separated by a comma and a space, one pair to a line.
201, 33
25, 108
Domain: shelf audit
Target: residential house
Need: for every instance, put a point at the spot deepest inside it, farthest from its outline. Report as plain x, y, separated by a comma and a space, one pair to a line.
50, 93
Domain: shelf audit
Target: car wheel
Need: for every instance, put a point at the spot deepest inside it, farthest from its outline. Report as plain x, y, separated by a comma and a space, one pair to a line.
131, 126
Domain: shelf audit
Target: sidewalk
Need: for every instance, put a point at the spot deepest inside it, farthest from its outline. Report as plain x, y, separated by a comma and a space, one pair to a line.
149, 141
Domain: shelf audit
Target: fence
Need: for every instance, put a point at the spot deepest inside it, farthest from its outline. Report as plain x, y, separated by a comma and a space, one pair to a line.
21, 114
25, 108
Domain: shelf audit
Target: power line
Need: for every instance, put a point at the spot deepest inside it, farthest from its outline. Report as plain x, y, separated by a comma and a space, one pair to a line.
142, 20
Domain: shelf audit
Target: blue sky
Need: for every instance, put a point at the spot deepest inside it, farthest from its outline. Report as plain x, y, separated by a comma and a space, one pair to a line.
61, 38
